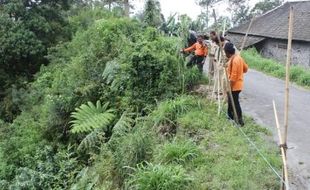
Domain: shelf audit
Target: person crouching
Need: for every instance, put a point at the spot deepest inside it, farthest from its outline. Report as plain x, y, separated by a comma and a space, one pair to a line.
201, 51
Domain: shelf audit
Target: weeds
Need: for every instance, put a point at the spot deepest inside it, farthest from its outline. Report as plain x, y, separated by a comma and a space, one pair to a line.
178, 152
163, 177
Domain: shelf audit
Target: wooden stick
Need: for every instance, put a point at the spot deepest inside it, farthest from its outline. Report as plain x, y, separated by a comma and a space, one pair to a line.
226, 75
287, 81
246, 34
218, 93
283, 149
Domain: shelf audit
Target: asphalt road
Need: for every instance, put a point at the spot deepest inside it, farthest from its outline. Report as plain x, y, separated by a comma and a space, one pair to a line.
256, 100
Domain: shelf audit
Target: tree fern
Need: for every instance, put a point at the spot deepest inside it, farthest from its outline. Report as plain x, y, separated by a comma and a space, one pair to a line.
88, 117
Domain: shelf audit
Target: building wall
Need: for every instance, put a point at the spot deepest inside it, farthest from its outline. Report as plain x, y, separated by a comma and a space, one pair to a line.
277, 49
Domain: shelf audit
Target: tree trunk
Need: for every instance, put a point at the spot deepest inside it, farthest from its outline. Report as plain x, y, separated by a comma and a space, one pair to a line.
207, 21
127, 7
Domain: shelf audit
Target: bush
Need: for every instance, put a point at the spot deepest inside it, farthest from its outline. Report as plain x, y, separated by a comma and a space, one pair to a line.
304, 78
50, 170
153, 70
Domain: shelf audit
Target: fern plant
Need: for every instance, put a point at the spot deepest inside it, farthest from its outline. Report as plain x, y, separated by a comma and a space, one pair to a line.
123, 125
88, 117
91, 140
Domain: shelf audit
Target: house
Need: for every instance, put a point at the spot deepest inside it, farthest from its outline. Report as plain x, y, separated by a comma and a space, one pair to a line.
269, 33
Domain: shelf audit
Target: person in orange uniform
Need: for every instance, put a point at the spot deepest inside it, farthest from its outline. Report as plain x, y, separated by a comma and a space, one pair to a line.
201, 51
235, 69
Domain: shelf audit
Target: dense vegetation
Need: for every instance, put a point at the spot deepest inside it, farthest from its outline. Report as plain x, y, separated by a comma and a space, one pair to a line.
109, 108
298, 74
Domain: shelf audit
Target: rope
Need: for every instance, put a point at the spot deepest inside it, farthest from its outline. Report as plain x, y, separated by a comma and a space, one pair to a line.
258, 151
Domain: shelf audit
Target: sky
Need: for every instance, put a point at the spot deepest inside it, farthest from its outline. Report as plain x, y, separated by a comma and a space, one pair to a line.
188, 7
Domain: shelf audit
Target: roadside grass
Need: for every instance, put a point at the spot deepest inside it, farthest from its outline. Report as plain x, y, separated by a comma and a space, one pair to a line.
204, 151
298, 74
212, 153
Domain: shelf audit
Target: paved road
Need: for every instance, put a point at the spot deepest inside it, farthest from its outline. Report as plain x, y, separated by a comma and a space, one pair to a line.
259, 92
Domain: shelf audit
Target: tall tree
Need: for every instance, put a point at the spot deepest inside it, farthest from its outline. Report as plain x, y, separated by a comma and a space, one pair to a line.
240, 11
264, 6
152, 13
127, 8
207, 4
222, 22
28, 28
241, 14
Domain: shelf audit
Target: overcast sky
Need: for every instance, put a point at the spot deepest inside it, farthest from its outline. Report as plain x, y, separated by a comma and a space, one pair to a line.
188, 7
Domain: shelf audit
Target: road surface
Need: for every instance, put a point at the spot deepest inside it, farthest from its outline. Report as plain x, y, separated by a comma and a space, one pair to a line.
259, 92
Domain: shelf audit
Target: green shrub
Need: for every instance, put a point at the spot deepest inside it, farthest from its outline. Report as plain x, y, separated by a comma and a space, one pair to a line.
153, 69
304, 78
164, 177
294, 72
192, 76
49, 170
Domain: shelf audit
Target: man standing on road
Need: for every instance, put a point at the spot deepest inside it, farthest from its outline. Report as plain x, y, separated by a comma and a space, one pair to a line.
201, 51
235, 70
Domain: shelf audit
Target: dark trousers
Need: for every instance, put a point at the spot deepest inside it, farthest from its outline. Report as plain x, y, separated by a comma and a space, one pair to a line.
230, 111
196, 60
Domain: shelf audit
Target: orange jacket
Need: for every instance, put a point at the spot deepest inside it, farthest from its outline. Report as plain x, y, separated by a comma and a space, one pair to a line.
236, 68
200, 49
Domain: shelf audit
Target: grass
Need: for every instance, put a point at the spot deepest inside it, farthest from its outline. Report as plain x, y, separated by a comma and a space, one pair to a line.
298, 74
160, 177
210, 149
179, 151
204, 152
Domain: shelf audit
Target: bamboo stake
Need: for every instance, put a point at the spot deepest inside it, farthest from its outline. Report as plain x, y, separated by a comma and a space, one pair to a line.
246, 34
283, 149
288, 62
226, 75
218, 93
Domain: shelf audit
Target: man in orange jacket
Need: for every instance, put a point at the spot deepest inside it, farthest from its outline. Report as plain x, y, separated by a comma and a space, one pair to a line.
201, 51
235, 70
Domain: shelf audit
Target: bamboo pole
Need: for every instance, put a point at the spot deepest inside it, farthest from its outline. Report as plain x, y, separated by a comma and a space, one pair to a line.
246, 34
283, 149
225, 73
224, 27
287, 78
218, 92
